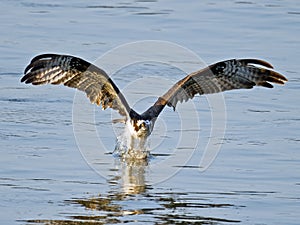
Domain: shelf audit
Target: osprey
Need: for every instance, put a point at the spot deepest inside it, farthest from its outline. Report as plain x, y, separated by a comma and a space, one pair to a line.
101, 90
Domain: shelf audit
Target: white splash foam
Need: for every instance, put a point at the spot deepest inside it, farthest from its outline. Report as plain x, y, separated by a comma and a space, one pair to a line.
128, 147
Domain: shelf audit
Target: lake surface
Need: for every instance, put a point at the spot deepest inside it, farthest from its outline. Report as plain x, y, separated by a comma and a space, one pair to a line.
56, 164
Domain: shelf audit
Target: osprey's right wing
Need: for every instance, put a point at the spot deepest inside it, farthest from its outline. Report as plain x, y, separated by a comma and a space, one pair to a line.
219, 77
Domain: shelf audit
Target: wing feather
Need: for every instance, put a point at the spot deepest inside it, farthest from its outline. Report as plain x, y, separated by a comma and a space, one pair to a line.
219, 77
76, 73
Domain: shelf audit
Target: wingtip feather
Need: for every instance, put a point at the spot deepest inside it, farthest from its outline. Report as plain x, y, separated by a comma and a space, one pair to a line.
273, 76
266, 84
257, 62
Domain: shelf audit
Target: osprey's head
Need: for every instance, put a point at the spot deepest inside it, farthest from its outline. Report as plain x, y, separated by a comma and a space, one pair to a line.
141, 128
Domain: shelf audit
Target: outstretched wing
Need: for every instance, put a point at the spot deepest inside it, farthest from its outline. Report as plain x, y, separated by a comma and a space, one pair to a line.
219, 77
76, 73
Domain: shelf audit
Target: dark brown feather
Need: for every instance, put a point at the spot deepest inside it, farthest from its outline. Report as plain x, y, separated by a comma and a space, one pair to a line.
99, 88
219, 77
76, 73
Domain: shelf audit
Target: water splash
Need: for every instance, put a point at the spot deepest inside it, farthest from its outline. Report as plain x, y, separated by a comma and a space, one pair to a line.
128, 147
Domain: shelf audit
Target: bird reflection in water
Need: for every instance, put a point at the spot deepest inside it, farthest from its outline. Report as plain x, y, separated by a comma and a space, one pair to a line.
130, 200
133, 176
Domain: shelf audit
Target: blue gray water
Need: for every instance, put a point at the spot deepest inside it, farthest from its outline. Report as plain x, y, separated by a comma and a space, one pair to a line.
45, 177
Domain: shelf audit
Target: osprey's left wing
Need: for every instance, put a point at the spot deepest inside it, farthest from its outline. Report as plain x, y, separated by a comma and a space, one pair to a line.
77, 73
219, 77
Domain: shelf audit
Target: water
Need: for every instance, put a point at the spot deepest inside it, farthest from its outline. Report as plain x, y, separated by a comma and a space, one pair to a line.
45, 179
